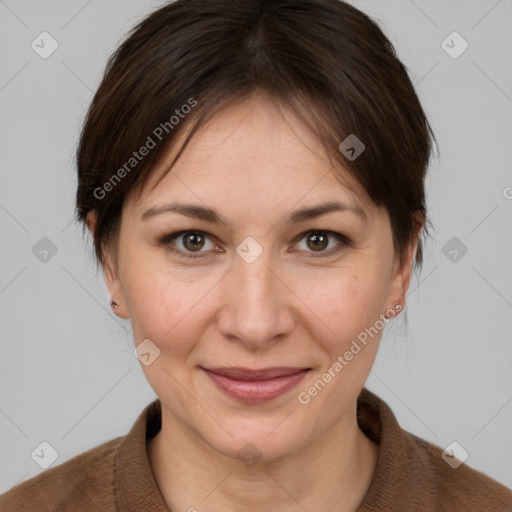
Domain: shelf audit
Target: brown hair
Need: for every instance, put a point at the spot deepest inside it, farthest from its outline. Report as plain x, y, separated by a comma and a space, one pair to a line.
328, 62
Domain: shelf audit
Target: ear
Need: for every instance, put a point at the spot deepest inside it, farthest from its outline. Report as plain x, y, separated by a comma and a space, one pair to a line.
401, 277
110, 271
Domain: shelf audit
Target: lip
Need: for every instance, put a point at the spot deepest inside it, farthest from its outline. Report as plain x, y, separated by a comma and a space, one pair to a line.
255, 386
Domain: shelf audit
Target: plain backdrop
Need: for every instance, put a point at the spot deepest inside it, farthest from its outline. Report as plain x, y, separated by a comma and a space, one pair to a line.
68, 376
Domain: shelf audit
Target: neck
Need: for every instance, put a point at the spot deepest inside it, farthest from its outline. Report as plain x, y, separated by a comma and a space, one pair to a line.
333, 472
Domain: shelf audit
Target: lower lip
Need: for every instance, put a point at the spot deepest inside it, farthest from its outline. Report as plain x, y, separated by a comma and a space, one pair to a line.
256, 391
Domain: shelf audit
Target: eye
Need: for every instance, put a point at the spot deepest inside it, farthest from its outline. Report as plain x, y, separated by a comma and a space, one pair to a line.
317, 241
190, 241
186, 243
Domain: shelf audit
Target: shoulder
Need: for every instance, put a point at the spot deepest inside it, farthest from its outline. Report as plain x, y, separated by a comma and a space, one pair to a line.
458, 486
411, 473
86, 479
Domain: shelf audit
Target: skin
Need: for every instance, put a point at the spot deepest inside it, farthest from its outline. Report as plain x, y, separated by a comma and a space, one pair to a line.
254, 164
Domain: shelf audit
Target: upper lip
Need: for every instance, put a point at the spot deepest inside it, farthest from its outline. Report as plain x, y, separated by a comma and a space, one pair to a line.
249, 374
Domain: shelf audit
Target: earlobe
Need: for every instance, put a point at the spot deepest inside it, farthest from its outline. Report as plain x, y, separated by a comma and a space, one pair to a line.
114, 288
118, 309
403, 271
109, 273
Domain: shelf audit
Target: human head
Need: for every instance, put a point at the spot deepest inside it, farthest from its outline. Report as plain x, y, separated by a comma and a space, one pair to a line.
216, 74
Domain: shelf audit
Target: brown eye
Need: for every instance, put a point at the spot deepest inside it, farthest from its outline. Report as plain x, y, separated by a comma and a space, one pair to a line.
188, 244
317, 241
193, 241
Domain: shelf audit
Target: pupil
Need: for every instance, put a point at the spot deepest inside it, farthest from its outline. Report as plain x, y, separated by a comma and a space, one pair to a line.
192, 240
318, 240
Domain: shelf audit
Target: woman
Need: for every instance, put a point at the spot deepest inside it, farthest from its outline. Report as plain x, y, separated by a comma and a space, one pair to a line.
252, 173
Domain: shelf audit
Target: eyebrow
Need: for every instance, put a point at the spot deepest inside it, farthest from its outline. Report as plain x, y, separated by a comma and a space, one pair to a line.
294, 217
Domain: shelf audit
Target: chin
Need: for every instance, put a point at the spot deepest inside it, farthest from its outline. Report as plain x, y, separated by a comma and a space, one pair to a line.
255, 440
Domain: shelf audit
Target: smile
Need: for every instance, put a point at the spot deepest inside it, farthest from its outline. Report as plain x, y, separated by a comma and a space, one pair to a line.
255, 386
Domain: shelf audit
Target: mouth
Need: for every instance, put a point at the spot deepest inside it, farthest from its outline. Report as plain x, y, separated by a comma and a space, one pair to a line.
255, 386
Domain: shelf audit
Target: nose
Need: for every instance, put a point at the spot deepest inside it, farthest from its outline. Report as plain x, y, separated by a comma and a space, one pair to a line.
256, 307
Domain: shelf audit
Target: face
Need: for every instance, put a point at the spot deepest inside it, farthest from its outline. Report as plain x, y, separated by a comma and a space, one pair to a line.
259, 289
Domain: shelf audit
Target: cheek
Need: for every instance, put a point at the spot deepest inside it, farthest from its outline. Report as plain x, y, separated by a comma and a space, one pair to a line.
350, 306
346, 301
166, 305
172, 306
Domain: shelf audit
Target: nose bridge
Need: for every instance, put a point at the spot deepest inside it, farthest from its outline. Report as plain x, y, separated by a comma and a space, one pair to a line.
255, 278
255, 312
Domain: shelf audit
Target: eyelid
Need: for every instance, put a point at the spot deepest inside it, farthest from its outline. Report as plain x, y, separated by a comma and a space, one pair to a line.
343, 239
167, 241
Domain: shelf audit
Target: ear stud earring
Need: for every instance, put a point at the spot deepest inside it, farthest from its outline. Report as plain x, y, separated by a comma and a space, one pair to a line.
397, 306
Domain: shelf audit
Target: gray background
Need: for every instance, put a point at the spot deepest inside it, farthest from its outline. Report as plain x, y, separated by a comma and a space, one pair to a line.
67, 373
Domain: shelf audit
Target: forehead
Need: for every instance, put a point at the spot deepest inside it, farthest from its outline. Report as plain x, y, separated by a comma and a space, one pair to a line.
251, 149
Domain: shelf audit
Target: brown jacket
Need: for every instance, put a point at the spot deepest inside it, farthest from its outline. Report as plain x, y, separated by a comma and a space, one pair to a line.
116, 476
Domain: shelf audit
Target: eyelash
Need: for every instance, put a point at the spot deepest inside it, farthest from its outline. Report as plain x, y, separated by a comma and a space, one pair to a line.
167, 241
